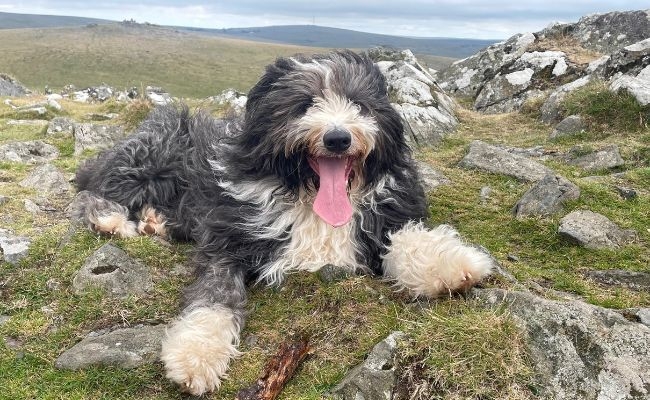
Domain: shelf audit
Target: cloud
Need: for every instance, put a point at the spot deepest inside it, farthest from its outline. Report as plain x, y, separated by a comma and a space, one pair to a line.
452, 18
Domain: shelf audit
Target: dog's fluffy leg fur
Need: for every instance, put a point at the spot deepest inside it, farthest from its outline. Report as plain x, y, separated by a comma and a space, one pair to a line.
201, 342
102, 216
433, 262
151, 222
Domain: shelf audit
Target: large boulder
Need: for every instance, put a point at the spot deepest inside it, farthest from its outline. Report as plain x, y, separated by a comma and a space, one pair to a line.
427, 112
579, 351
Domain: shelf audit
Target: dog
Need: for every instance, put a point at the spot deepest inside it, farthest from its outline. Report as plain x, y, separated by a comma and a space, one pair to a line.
316, 172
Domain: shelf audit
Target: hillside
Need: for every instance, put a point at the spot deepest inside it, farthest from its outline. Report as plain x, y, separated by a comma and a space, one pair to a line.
321, 36
22, 21
124, 55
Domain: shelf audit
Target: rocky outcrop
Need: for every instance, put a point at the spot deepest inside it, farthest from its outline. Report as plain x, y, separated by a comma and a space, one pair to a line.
427, 112
111, 269
61, 125
504, 76
11, 87
594, 231
233, 101
580, 351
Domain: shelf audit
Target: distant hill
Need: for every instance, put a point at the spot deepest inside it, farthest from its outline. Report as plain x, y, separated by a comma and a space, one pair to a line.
321, 36
127, 54
17, 21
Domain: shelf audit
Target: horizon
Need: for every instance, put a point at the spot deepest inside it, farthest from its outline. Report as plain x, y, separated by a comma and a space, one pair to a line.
467, 19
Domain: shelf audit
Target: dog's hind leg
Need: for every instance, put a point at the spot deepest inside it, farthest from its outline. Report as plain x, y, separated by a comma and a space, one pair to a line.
201, 342
433, 262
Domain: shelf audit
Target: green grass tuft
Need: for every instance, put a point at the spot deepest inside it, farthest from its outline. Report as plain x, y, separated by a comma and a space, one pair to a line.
602, 107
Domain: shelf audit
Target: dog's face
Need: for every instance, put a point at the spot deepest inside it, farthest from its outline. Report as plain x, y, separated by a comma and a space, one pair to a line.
324, 124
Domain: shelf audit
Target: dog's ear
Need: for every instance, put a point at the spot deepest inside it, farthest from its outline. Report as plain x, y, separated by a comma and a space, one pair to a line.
272, 74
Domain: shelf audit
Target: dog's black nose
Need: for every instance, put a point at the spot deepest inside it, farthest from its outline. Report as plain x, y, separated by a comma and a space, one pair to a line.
337, 140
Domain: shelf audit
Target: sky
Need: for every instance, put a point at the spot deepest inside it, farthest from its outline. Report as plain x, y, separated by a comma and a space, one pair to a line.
478, 19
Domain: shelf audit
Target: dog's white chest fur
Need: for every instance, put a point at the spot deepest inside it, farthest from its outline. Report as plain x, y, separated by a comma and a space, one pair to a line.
310, 243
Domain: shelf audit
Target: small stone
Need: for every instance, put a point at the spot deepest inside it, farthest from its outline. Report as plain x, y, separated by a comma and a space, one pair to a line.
569, 126
30, 152
485, 193
512, 257
644, 316
53, 285
13, 343
13, 248
4, 319
3, 200
61, 125
374, 378
626, 192
31, 207
331, 273
95, 137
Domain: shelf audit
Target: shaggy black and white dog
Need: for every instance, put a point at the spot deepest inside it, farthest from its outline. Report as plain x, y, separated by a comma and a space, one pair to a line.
317, 173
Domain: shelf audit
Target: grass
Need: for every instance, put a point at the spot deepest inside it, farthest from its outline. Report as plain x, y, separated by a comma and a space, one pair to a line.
605, 109
131, 55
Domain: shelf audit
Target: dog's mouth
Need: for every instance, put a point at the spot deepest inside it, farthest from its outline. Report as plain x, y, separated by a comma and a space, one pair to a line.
332, 203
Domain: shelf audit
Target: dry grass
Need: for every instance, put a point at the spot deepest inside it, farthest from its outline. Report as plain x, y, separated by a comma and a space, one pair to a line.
570, 46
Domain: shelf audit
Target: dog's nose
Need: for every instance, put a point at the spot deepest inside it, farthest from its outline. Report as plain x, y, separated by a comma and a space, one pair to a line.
337, 140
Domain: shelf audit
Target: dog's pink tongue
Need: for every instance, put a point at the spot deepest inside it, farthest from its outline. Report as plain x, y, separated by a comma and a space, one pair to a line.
332, 203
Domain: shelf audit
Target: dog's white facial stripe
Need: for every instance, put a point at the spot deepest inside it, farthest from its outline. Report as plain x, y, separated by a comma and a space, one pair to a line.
329, 112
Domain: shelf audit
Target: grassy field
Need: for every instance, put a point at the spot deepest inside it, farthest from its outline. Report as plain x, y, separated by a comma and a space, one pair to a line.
126, 55
456, 349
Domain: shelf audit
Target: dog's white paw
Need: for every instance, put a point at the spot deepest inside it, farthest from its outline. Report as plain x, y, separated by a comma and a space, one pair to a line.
434, 262
199, 347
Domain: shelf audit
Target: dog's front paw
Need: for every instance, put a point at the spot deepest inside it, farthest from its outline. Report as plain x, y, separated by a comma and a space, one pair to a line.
199, 347
434, 262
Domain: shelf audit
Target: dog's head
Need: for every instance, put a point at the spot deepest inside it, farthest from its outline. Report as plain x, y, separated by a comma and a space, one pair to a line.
324, 124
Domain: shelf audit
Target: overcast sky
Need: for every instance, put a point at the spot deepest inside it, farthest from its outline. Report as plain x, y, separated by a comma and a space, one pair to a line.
480, 19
